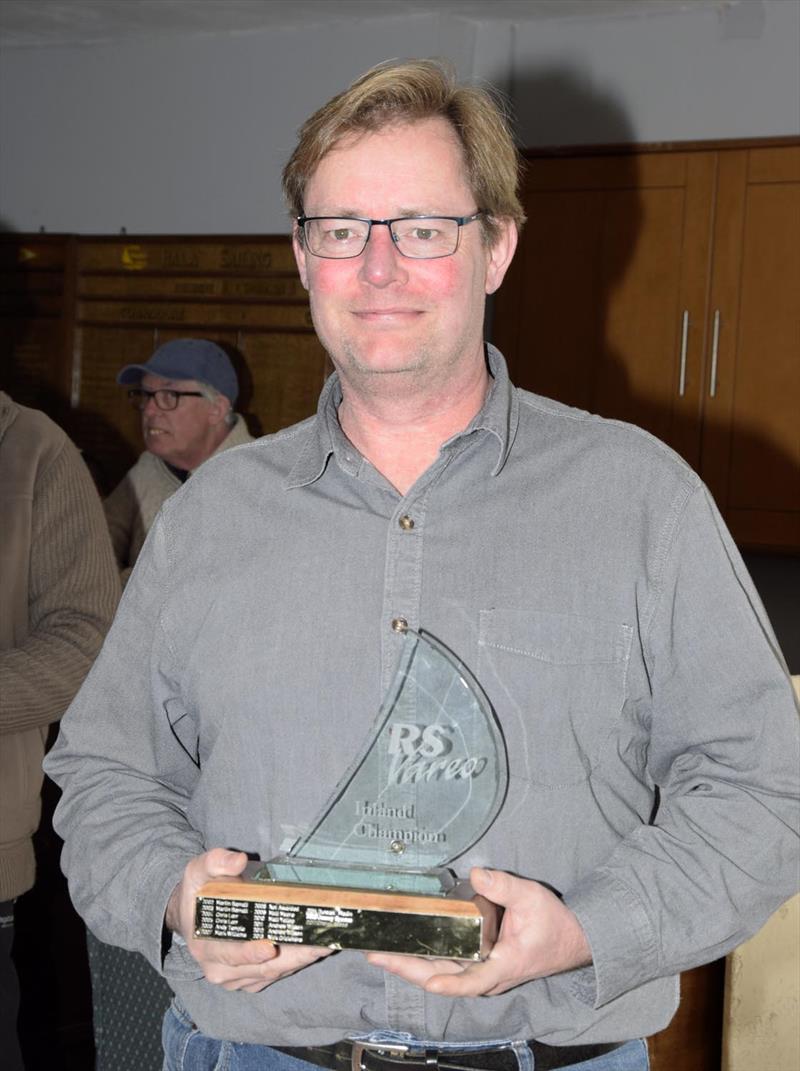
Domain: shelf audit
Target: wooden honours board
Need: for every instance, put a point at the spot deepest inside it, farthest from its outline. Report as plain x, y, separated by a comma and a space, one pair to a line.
75, 310
35, 319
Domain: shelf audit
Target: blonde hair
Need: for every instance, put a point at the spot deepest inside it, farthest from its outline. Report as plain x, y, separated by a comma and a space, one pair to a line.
400, 92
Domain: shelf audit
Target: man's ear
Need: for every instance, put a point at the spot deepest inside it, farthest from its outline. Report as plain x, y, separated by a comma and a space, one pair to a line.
299, 255
501, 253
218, 409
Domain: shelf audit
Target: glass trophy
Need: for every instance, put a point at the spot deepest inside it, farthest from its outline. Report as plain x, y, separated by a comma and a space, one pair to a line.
372, 872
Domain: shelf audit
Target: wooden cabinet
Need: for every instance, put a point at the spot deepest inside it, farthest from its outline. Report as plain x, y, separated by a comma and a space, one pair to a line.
750, 453
664, 288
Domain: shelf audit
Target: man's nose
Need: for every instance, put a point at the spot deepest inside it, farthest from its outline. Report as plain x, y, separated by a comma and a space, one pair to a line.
382, 263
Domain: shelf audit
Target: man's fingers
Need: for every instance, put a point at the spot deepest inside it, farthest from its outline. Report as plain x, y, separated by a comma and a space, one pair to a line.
248, 965
476, 980
239, 953
417, 969
255, 976
448, 978
295, 956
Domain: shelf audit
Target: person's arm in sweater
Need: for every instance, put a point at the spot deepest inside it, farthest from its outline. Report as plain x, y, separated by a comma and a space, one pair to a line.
73, 594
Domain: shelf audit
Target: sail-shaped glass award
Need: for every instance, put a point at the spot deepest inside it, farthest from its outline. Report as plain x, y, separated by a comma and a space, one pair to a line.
372, 872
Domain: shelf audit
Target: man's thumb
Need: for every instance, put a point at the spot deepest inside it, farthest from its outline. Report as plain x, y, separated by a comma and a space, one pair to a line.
495, 885
222, 861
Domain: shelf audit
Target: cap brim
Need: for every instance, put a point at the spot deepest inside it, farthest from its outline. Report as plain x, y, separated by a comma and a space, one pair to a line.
132, 373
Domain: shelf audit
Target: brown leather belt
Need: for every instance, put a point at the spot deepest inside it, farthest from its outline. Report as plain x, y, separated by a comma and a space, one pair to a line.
355, 1056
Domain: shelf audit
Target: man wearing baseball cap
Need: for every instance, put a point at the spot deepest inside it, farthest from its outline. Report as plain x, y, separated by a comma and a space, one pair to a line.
186, 393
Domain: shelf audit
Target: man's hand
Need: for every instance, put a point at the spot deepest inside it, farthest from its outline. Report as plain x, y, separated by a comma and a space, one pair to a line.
248, 965
539, 936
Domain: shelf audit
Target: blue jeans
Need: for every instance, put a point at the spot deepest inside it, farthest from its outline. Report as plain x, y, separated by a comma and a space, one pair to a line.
186, 1049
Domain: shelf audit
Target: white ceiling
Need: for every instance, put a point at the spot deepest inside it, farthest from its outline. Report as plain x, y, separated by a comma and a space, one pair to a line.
43, 23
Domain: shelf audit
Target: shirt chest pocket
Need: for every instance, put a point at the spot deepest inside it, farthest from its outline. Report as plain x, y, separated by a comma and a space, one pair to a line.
558, 685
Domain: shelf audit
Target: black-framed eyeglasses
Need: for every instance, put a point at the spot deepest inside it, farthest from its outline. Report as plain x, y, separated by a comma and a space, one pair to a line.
417, 237
164, 398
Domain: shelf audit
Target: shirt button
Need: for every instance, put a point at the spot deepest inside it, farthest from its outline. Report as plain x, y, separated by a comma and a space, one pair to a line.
406, 523
399, 624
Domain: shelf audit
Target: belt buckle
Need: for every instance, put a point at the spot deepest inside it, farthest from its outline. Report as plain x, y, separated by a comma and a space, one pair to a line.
389, 1048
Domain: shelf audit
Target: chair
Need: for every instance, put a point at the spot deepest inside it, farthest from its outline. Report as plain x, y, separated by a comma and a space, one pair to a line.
128, 1002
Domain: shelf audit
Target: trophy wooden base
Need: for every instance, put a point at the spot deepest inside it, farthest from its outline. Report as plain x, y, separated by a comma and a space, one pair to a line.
448, 927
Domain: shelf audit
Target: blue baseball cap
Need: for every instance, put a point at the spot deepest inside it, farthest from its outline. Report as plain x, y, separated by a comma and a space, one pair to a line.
188, 358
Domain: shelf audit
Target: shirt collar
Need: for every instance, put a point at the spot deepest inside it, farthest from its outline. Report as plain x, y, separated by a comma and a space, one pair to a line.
500, 412
499, 416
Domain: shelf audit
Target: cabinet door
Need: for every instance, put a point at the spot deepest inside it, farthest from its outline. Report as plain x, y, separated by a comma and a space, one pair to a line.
751, 431
604, 307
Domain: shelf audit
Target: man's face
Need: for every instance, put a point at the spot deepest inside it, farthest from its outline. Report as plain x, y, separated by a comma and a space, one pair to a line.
186, 436
381, 313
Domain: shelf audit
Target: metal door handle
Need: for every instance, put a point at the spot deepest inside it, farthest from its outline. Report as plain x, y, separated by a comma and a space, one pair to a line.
684, 342
712, 387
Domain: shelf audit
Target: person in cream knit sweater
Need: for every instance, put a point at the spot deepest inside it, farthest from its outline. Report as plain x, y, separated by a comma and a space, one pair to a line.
59, 592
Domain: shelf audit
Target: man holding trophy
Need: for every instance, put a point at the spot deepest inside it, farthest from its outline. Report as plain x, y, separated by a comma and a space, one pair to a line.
445, 625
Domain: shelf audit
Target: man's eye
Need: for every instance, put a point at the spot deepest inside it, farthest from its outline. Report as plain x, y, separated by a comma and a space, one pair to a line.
424, 234
341, 234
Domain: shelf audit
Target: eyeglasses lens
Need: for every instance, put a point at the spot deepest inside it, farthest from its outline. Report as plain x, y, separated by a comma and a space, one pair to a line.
164, 399
420, 239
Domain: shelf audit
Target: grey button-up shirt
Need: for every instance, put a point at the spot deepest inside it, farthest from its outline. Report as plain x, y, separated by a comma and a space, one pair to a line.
581, 571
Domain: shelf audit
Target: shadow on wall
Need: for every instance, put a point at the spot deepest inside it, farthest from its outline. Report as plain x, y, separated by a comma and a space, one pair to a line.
559, 106
33, 340
777, 578
598, 265
245, 378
